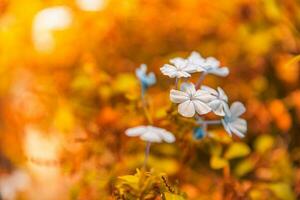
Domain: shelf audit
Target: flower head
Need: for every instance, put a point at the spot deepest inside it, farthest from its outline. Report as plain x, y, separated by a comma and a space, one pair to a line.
146, 79
209, 65
232, 123
219, 103
191, 101
212, 66
196, 60
180, 68
151, 134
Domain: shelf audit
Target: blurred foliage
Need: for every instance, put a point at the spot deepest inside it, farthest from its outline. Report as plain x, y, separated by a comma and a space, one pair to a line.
146, 185
83, 92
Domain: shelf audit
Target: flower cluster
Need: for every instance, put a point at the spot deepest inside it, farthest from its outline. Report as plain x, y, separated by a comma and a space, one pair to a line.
181, 67
193, 100
196, 102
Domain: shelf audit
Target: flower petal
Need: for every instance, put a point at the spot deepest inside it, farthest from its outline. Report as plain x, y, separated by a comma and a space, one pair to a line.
200, 107
217, 107
211, 62
223, 71
151, 136
136, 131
203, 96
237, 109
167, 136
180, 74
177, 96
169, 70
195, 57
239, 127
222, 94
210, 90
178, 62
226, 127
189, 88
186, 109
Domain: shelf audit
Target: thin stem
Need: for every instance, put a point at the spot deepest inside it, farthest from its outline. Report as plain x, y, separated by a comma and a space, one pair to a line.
144, 103
176, 82
201, 78
142, 92
227, 195
147, 152
205, 128
210, 122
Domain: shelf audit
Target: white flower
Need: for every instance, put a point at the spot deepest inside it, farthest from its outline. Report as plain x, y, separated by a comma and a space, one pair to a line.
191, 101
146, 79
180, 68
151, 134
196, 60
212, 66
219, 103
209, 65
232, 123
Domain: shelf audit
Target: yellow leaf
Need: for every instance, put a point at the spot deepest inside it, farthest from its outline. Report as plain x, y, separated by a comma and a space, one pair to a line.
263, 143
170, 196
216, 149
131, 180
282, 191
217, 162
237, 150
64, 119
125, 83
244, 167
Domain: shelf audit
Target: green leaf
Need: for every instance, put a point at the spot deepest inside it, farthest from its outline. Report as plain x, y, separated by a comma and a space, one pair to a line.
263, 143
170, 196
217, 162
237, 150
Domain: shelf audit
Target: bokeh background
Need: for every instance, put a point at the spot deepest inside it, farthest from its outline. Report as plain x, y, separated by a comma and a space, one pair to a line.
68, 91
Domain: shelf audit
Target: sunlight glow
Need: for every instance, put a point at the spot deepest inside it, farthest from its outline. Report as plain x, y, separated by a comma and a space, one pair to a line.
91, 5
46, 21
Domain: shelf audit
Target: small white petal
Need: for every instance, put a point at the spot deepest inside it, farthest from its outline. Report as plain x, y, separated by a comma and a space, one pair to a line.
179, 63
203, 96
239, 127
222, 94
190, 68
186, 109
180, 74
195, 57
167, 136
212, 62
226, 127
189, 88
151, 136
143, 68
169, 70
217, 107
223, 71
177, 96
201, 108
237, 109
210, 90
136, 131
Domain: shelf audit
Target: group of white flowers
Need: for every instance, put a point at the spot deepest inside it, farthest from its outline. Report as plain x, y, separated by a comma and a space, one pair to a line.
193, 100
